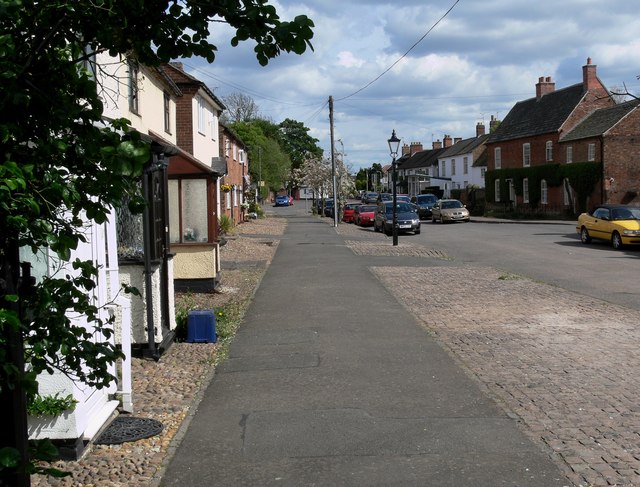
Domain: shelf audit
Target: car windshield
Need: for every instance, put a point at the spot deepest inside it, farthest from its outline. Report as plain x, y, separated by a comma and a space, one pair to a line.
625, 214
400, 207
367, 208
451, 204
426, 198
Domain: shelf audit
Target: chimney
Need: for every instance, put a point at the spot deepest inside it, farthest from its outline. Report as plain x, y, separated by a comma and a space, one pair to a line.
406, 149
493, 124
457, 139
448, 141
415, 147
480, 129
437, 144
544, 86
589, 78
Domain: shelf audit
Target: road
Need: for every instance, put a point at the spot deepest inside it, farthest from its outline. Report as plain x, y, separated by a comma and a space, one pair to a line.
551, 253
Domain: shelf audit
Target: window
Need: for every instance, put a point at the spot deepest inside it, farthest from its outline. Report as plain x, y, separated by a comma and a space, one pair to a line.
453, 167
591, 152
134, 102
227, 147
167, 113
189, 224
227, 198
213, 123
526, 155
496, 185
549, 150
465, 165
235, 152
201, 115
544, 195
483, 171
444, 169
569, 154
525, 190
241, 155
497, 156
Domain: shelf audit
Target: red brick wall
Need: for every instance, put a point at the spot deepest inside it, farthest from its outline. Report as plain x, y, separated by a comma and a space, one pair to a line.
622, 161
235, 175
184, 119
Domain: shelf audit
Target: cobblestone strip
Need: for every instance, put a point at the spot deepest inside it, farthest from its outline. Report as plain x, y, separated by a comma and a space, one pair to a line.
383, 248
566, 364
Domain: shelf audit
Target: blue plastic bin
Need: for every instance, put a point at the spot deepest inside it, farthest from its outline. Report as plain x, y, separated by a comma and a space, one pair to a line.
201, 326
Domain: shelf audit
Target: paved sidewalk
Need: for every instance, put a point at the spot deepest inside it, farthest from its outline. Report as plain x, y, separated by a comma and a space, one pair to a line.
331, 381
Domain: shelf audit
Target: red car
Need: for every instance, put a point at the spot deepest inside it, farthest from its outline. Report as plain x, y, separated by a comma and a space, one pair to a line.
349, 212
364, 215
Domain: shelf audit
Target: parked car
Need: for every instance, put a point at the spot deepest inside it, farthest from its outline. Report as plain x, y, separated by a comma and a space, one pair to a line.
349, 212
449, 211
370, 197
425, 203
407, 219
328, 208
282, 200
364, 215
618, 224
384, 197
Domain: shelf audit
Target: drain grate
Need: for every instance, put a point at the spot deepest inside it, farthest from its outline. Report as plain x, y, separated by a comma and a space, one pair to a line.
127, 428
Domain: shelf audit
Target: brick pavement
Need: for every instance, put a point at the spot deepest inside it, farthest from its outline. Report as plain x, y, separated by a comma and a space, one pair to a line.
564, 364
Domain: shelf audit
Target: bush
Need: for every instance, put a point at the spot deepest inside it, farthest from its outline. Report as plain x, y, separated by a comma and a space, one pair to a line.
226, 224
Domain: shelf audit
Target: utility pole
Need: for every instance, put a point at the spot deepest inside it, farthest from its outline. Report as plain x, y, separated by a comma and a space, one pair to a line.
333, 165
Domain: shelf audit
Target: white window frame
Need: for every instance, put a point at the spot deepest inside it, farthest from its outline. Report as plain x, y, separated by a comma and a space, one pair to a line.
591, 152
134, 87
525, 190
544, 192
465, 165
549, 151
497, 156
526, 154
496, 187
201, 115
241, 156
453, 167
444, 169
569, 154
167, 112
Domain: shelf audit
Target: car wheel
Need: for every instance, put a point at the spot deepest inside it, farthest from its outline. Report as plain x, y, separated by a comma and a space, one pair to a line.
616, 241
417, 232
433, 219
584, 236
441, 219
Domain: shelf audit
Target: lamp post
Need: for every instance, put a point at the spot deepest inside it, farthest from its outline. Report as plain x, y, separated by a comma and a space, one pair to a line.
394, 145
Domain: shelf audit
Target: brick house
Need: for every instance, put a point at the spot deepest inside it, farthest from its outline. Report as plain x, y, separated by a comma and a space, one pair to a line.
610, 136
524, 155
193, 184
236, 179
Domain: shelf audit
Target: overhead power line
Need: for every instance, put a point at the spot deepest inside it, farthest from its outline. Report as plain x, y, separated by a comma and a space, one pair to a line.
403, 56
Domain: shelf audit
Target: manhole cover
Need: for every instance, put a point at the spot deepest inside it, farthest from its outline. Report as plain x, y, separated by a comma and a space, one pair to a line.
126, 428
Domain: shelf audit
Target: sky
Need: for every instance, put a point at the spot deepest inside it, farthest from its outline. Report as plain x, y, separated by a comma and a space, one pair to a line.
424, 68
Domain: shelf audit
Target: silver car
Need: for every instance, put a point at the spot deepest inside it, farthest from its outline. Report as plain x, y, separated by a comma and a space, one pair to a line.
449, 211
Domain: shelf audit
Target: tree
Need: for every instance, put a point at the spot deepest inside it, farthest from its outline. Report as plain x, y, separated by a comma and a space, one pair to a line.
239, 108
297, 142
269, 162
62, 163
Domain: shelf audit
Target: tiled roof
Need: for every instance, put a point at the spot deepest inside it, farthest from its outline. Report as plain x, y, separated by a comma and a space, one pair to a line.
600, 121
425, 158
464, 146
539, 116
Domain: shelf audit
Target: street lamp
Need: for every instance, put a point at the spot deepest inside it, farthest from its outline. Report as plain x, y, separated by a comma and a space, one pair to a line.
394, 145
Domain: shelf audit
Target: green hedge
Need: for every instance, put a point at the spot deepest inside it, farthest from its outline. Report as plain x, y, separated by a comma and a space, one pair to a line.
583, 177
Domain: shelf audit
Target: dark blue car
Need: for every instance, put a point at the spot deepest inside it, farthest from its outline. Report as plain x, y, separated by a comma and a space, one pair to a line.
282, 200
425, 204
406, 217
